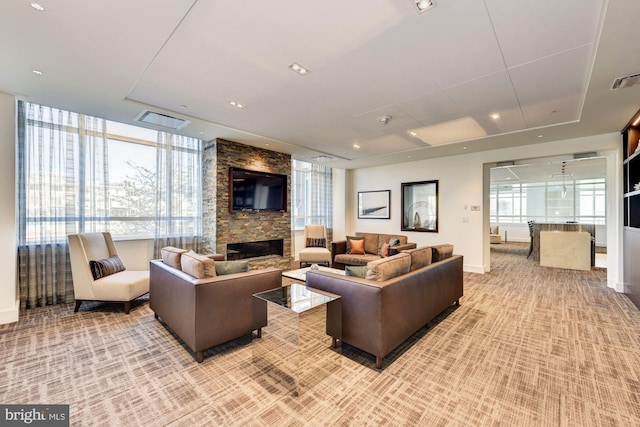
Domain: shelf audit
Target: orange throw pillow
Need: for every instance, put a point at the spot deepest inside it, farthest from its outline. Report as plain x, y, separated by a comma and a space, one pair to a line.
357, 247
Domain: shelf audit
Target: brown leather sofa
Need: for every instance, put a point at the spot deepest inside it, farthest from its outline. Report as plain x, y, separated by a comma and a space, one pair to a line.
210, 311
377, 316
372, 244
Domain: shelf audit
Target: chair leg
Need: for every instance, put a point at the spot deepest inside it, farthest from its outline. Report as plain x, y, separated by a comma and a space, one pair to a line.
78, 302
127, 307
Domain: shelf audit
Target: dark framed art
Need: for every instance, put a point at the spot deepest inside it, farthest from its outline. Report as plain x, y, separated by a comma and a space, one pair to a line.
374, 204
420, 206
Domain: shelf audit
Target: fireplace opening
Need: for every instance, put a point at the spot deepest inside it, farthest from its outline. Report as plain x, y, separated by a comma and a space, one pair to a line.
244, 250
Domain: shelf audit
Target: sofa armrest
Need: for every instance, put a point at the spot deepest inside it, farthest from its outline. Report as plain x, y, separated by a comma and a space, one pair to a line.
397, 249
338, 247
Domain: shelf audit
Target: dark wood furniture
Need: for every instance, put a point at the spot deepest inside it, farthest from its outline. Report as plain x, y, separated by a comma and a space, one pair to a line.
631, 196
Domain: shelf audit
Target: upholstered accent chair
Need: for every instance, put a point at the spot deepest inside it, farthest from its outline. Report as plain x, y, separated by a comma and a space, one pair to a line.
99, 275
315, 250
494, 234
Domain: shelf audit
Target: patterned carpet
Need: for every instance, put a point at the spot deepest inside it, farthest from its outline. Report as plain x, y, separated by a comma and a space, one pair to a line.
528, 346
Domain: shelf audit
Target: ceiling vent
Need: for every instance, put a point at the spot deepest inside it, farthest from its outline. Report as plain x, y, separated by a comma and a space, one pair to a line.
626, 81
162, 120
321, 158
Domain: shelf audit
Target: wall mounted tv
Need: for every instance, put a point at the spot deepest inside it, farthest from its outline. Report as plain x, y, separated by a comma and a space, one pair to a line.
257, 191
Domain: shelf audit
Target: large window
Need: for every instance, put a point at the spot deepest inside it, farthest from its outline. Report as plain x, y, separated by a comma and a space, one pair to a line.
581, 201
312, 195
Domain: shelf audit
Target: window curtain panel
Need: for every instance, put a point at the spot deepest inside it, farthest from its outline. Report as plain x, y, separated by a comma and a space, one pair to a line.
62, 189
179, 193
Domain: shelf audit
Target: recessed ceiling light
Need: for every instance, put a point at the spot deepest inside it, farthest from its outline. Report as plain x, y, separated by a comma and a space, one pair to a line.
464, 148
423, 5
495, 116
540, 136
37, 7
236, 104
356, 146
184, 107
201, 133
299, 69
412, 133
37, 72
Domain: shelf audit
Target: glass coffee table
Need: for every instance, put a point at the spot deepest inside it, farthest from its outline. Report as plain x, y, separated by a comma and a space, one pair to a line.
301, 274
293, 353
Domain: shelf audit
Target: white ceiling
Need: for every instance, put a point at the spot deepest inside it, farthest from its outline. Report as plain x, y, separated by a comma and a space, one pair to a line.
549, 169
545, 66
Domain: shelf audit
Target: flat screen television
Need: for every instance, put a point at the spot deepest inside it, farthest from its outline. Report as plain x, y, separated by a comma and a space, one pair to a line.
257, 191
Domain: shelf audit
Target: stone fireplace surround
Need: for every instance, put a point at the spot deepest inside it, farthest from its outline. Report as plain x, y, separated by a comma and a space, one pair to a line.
236, 227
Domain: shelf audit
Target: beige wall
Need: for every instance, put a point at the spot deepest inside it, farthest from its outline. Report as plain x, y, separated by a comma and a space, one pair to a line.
462, 183
9, 305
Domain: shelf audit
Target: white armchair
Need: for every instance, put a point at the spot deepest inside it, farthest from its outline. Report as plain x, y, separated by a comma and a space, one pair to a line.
122, 286
315, 250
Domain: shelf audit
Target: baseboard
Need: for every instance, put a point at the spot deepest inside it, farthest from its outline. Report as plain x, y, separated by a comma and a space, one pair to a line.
474, 269
11, 315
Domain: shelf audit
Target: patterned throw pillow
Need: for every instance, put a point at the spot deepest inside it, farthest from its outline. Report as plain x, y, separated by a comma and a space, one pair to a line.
319, 242
394, 242
357, 247
105, 267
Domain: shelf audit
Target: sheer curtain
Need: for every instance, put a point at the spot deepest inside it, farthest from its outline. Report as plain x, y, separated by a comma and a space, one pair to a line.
179, 193
62, 166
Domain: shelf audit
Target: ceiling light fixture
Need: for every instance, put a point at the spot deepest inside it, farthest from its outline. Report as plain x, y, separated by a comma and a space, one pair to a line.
37, 7
412, 133
299, 69
37, 72
356, 146
423, 5
495, 116
236, 104
384, 119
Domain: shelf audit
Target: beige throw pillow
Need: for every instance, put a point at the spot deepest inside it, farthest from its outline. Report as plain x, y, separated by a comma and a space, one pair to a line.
198, 266
388, 268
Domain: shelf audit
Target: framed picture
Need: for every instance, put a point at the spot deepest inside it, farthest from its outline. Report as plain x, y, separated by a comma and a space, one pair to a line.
374, 204
420, 206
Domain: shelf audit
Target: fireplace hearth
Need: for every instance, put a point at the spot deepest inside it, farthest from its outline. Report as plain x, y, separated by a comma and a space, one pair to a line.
244, 250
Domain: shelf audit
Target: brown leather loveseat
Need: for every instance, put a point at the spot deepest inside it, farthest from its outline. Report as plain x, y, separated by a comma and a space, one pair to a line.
205, 312
373, 245
403, 293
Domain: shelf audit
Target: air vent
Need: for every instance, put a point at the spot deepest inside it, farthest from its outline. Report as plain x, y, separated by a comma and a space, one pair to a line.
321, 158
162, 120
626, 81
589, 155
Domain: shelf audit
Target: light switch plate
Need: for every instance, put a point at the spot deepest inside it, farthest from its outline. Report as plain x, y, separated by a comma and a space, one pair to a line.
475, 207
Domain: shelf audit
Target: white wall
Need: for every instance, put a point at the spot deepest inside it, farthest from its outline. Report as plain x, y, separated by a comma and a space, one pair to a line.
9, 302
463, 181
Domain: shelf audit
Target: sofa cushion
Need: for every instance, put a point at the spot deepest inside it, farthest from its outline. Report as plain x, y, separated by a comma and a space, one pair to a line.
230, 267
441, 252
420, 257
171, 256
371, 240
357, 247
348, 259
198, 266
349, 238
106, 267
356, 271
388, 268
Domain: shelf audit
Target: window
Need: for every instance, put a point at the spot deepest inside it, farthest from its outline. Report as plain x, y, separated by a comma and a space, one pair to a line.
312, 195
581, 201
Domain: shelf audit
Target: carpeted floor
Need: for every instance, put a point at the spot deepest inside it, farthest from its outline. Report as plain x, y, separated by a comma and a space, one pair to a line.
528, 346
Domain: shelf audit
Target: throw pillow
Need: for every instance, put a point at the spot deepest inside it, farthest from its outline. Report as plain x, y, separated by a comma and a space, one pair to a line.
357, 247
198, 266
387, 268
105, 267
318, 242
349, 238
230, 267
394, 242
384, 250
355, 271
171, 256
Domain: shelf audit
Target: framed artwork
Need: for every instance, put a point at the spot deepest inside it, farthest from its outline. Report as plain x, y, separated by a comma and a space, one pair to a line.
420, 206
374, 204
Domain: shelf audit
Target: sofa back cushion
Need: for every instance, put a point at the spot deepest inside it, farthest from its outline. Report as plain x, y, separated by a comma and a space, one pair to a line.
441, 252
388, 268
373, 241
420, 257
198, 266
171, 256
